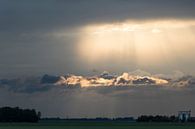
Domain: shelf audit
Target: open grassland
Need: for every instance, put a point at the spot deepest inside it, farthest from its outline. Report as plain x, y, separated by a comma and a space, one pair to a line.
97, 125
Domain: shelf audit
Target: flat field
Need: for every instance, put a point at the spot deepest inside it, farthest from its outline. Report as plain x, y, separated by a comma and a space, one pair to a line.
97, 125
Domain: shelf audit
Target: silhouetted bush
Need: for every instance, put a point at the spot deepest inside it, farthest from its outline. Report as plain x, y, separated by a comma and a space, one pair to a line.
192, 119
9, 114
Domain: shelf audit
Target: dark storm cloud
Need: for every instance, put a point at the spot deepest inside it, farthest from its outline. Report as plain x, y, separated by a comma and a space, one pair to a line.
53, 14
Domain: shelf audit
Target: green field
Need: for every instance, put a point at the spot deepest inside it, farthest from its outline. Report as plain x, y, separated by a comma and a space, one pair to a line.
97, 125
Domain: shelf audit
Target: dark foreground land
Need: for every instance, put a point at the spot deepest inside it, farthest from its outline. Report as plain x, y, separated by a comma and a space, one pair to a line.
97, 125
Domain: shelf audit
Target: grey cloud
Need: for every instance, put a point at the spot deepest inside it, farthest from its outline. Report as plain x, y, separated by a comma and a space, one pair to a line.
184, 81
49, 79
24, 85
144, 80
54, 14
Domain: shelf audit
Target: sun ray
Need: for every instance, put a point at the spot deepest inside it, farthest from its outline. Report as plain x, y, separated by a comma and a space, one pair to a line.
150, 43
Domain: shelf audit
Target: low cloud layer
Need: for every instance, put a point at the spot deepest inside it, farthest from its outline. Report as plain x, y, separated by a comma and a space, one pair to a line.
106, 79
136, 78
130, 94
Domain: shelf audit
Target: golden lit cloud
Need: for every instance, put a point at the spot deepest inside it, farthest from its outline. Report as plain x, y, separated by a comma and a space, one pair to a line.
125, 79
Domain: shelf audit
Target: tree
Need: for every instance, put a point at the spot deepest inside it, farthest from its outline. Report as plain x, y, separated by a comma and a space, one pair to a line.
9, 114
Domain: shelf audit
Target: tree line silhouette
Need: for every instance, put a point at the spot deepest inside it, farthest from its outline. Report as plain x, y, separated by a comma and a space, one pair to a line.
16, 114
157, 118
9, 114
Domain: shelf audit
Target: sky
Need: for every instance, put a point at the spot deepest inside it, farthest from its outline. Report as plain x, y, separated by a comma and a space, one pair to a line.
147, 46
39, 37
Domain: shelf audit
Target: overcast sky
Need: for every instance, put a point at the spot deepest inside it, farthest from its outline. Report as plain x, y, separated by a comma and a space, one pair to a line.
38, 37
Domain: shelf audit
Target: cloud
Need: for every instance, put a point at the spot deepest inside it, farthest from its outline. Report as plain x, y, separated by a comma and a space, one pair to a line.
49, 79
184, 81
106, 79
115, 101
24, 85
133, 95
136, 78
39, 15
52, 26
